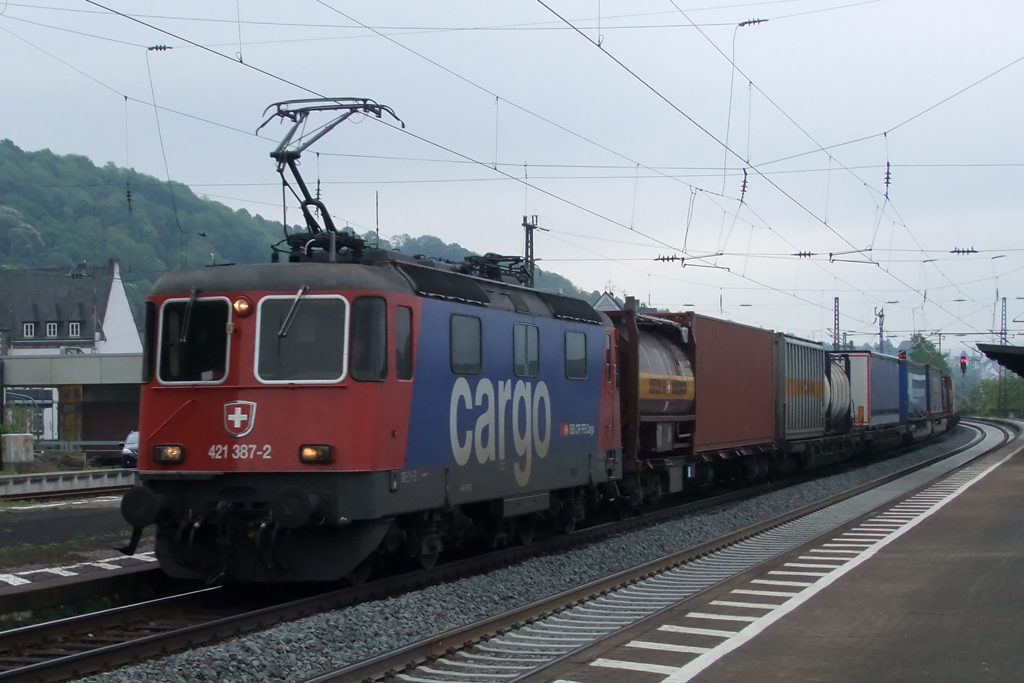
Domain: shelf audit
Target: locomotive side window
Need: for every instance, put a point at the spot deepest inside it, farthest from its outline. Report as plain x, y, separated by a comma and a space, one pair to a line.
194, 341
575, 355
403, 342
526, 350
368, 339
608, 358
467, 357
311, 348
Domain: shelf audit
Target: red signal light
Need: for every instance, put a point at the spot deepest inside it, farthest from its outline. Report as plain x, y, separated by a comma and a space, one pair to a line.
903, 355
963, 365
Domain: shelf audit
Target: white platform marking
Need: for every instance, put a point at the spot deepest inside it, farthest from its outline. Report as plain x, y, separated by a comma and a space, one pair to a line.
720, 617
816, 558
59, 571
751, 605
634, 666
773, 594
773, 582
668, 647
835, 552
672, 628
13, 580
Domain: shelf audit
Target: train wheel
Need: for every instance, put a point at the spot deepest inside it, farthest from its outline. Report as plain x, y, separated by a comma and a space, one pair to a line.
428, 560
567, 521
526, 529
359, 575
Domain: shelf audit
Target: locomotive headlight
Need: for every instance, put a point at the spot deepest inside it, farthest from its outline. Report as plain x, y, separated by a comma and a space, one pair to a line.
316, 454
242, 306
169, 455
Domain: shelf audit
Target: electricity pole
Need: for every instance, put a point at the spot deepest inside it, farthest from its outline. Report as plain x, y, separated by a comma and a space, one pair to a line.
880, 314
530, 225
835, 323
1002, 370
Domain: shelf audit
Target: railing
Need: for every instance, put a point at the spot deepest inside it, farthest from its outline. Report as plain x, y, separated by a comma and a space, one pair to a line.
86, 446
23, 485
83, 453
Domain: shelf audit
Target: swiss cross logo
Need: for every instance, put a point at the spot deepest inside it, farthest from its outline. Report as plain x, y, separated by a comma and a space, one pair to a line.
239, 417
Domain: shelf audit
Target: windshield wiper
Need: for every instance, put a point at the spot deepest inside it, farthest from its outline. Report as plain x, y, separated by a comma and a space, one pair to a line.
290, 318
188, 315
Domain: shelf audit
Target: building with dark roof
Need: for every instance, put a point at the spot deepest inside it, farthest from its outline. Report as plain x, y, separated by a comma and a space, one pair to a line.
70, 348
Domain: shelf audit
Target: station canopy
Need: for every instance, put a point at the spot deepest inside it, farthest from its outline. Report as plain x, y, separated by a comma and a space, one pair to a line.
1010, 357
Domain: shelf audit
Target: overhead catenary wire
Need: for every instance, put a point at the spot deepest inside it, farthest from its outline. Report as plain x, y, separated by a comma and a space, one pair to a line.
525, 189
707, 132
183, 256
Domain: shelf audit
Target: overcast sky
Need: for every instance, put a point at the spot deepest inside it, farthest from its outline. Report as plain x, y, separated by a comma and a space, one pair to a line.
618, 115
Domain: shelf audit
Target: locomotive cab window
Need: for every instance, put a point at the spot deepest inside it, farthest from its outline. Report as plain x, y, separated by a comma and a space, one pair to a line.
149, 347
302, 339
526, 350
467, 356
575, 355
403, 342
368, 339
194, 341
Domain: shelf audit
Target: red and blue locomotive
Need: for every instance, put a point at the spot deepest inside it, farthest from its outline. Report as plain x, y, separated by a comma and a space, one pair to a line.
298, 417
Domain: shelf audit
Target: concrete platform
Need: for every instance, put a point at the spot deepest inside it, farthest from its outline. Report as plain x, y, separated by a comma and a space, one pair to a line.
929, 589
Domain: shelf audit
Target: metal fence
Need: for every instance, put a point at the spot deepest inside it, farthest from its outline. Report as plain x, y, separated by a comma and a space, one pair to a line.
87, 446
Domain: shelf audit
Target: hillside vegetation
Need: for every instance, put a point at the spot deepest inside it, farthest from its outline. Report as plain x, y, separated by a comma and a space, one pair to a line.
58, 211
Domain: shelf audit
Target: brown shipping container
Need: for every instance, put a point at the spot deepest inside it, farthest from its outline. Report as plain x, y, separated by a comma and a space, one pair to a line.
735, 384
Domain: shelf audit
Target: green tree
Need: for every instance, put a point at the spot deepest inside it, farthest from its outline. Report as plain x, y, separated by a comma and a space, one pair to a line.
924, 352
57, 211
985, 398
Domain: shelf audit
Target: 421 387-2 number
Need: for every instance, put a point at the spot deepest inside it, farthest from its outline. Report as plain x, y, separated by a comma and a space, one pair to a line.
239, 451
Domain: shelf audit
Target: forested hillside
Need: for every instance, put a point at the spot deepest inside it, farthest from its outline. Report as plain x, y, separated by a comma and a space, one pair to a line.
59, 211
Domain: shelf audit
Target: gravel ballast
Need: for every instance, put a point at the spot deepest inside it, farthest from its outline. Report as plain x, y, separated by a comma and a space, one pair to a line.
315, 645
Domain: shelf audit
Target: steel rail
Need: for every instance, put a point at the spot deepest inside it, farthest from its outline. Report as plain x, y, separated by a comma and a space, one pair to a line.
93, 492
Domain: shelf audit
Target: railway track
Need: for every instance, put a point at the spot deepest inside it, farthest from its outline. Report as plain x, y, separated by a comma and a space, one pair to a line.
77, 646
97, 492
519, 644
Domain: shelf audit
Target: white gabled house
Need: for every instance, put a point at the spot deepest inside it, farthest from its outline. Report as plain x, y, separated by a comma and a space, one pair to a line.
70, 348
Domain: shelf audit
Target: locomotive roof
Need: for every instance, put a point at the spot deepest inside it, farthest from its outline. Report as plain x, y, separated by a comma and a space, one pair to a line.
422, 278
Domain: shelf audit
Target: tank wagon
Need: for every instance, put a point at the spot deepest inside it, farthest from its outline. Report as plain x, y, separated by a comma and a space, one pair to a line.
303, 420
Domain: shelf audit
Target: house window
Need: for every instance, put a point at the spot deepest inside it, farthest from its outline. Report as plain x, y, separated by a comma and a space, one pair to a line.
51, 329
74, 329
28, 330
